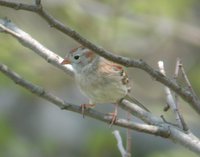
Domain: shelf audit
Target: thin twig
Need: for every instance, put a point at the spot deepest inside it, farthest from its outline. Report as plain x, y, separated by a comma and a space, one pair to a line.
170, 99
177, 69
120, 143
186, 79
37, 2
187, 96
176, 72
128, 137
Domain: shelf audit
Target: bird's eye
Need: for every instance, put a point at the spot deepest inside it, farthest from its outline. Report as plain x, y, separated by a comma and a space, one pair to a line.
76, 57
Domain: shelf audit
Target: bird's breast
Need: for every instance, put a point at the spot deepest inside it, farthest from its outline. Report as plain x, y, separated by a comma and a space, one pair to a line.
101, 90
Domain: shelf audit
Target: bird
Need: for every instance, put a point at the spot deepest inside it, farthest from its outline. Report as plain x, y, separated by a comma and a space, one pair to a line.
99, 79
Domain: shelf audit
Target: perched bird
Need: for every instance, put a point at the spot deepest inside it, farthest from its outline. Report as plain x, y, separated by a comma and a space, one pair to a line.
101, 80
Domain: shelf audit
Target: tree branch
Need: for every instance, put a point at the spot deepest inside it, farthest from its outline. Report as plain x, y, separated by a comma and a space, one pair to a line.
176, 73
26, 40
41, 92
185, 94
120, 144
157, 127
170, 99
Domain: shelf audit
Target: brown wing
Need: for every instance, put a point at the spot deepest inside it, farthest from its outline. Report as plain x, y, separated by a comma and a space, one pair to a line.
115, 70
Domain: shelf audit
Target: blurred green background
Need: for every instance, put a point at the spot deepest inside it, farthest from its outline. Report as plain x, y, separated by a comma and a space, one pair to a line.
149, 29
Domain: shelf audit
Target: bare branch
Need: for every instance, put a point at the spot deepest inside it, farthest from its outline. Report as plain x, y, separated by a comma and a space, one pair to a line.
26, 40
161, 129
175, 134
19, 6
41, 92
140, 113
186, 95
155, 125
186, 78
120, 143
38, 2
170, 99
128, 137
184, 125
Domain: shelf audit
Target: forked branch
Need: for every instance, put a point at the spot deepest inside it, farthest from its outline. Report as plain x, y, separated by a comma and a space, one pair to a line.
152, 124
155, 124
185, 94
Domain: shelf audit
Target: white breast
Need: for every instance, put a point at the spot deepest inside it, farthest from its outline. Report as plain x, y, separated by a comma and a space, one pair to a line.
100, 89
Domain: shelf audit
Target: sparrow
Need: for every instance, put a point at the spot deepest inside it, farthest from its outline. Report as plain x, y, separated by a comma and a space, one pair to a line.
99, 79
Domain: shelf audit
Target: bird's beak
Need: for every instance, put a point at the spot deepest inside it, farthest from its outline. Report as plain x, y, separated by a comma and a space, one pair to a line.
66, 61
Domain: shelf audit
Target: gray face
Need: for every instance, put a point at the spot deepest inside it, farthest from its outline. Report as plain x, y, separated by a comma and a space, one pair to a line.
80, 58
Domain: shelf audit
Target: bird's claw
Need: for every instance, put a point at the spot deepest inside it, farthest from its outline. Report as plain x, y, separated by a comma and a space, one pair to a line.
85, 107
113, 119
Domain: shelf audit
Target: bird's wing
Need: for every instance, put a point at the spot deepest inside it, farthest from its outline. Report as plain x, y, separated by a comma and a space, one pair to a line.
114, 70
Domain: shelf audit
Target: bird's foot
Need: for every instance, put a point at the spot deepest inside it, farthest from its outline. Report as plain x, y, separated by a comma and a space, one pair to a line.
85, 107
113, 119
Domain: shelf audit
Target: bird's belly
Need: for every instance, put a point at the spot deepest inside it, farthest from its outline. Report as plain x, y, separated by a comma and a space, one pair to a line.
105, 97
104, 93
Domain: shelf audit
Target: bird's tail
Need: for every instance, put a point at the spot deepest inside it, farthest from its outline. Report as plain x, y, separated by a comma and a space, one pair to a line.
132, 99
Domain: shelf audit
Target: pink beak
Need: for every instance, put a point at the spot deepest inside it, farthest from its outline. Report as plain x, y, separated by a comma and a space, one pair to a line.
66, 61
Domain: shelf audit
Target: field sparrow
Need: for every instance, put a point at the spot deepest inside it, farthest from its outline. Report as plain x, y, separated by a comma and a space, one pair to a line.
102, 81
